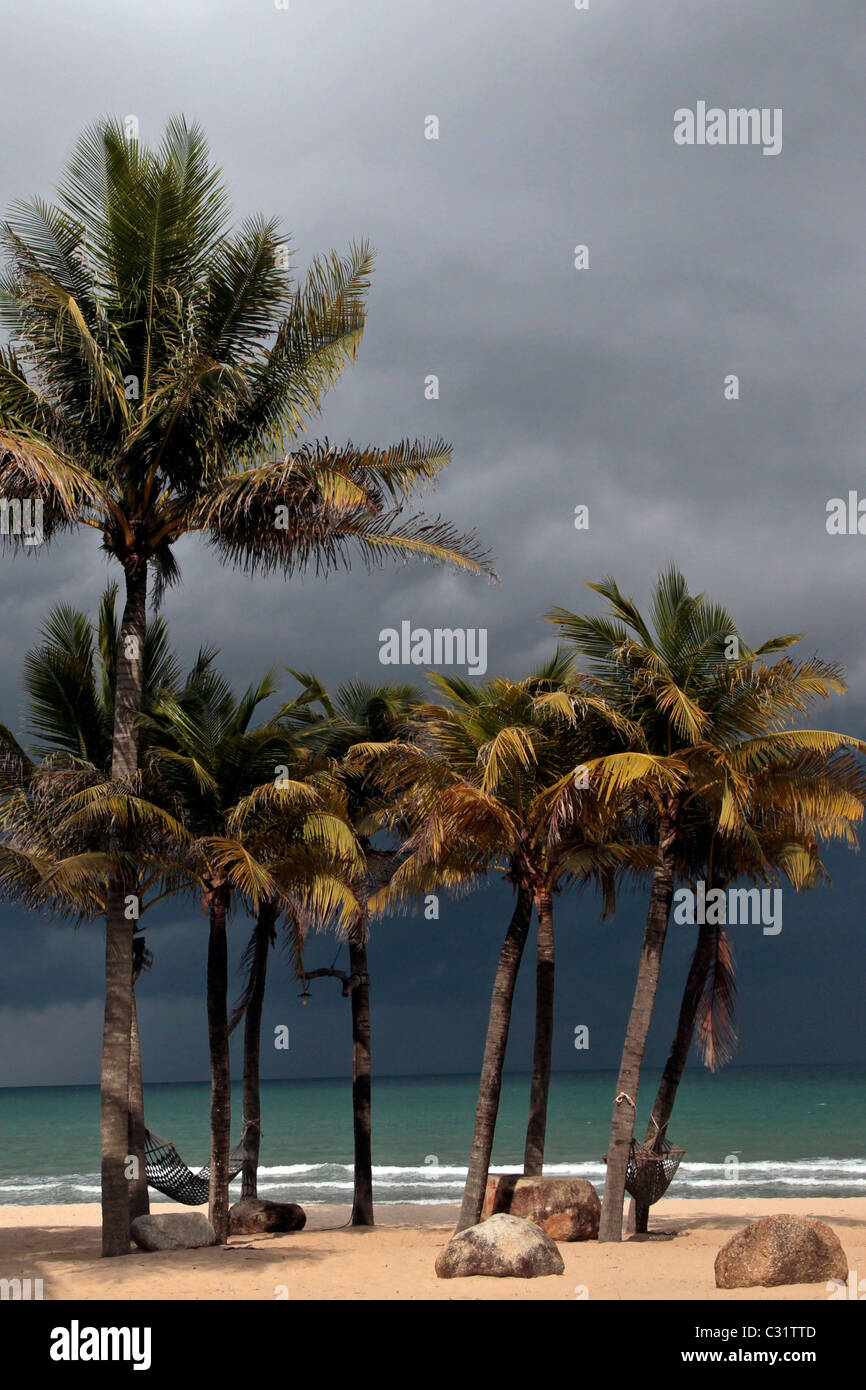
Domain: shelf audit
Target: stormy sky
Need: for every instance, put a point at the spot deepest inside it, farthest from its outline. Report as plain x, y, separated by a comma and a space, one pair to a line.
559, 387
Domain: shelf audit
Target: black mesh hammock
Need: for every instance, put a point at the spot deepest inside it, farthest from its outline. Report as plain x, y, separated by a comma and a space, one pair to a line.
167, 1172
651, 1169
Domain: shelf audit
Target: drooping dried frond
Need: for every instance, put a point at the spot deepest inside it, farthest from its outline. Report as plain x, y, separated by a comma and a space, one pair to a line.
716, 1026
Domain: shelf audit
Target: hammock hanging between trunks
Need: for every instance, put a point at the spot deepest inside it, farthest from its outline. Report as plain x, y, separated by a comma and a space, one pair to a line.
651, 1170
167, 1172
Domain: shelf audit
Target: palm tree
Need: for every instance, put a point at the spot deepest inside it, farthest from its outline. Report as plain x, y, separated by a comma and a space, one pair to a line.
69, 680
795, 802
302, 842
358, 714
702, 732
489, 785
208, 756
157, 359
249, 1008
566, 862
216, 770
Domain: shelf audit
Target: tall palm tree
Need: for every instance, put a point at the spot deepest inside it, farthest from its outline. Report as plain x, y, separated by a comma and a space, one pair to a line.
358, 713
215, 768
795, 803
303, 843
566, 862
208, 756
489, 785
69, 679
706, 724
158, 360
249, 1008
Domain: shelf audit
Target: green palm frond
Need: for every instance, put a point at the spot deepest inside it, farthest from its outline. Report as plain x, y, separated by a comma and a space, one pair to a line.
321, 505
236, 863
615, 772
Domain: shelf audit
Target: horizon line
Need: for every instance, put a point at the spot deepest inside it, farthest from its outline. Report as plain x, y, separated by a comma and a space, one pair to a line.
420, 1076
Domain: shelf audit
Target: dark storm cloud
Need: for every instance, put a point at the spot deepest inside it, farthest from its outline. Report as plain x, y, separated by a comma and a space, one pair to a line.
558, 386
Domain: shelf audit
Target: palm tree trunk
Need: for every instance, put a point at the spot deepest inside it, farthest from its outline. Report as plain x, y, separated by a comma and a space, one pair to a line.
117, 1030
681, 1045
678, 1056
139, 1202
494, 1059
624, 1108
220, 1070
545, 972
362, 1205
252, 1131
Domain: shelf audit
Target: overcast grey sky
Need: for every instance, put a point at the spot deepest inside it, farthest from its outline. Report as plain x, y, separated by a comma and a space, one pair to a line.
558, 387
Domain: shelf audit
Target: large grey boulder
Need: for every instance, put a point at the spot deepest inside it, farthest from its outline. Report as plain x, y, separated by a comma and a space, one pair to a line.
252, 1216
501, 1247
781, 1250
566, 1208
173, 1231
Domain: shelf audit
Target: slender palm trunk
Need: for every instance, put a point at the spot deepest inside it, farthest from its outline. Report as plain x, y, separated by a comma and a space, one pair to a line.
139, 1202
117, 1030
545, 972
220, 1070
362, 1205
678, 1056
252, 1130
682, 1042
622, 1123
494, 1059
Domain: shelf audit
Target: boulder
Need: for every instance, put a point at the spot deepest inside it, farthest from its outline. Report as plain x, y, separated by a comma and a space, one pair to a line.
566, 1208
501, 1247
252, 1216
173, 1231
781, 1250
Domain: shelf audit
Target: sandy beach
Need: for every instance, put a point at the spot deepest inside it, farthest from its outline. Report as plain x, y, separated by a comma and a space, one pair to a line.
60, 1246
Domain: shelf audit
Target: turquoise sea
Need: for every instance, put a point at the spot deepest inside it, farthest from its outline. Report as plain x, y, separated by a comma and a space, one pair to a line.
747, 1131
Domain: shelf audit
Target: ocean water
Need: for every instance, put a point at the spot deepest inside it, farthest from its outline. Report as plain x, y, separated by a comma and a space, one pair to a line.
747, 1132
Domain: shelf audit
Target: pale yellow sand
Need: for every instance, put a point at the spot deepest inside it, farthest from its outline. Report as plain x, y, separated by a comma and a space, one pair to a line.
60, 1245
